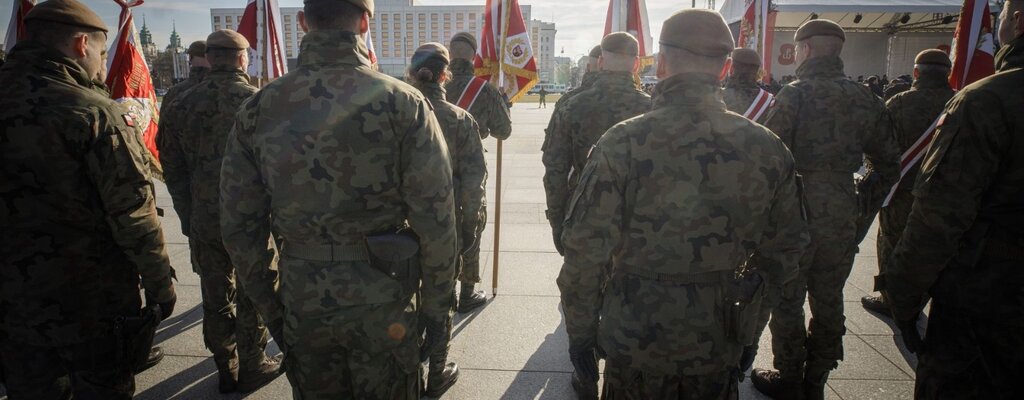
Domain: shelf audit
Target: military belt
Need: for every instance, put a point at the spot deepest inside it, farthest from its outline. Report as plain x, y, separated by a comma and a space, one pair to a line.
686, 279
325, 252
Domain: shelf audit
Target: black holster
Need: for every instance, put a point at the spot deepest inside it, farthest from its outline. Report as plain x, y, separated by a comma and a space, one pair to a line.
134, 334
397, 255
743, 299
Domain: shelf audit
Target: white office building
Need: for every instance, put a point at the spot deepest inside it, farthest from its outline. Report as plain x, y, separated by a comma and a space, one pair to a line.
400, 26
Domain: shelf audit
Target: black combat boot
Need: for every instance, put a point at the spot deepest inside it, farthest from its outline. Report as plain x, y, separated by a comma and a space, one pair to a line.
156, 354
227, 375
772, 384
876, 304
260, 375
441, 377
470, 299
585, 390
815, 377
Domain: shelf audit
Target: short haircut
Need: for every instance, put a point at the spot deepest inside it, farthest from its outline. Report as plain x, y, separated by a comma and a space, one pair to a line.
56, 34
740, 69
326, 14
682, 60
462, 50
932, 70
617, 62
223, 57
825, 45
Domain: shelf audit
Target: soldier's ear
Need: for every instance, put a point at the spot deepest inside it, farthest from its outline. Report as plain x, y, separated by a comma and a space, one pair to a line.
302, 21
80, 46
364, 23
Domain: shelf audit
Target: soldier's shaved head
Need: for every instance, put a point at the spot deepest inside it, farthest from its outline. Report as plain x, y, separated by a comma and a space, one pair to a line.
1011, 21
461, 50
342, 15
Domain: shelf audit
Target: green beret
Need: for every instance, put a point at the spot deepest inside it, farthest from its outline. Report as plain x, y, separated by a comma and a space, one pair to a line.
197, 49
621, 43
464, 37
933, 57
429, 51
746, 56
819, 27
68, 12
702, 32
226, 39
366, 5
595, 52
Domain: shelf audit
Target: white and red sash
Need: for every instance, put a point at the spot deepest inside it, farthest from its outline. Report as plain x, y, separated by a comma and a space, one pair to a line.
762, 102
913, 155
471, 92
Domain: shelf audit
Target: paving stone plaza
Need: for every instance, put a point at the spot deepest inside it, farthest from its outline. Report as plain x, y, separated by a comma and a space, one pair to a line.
516, 347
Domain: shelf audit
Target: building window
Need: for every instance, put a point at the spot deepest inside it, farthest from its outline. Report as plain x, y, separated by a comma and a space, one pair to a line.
384, 17
408, 26
472, 16
384, 26
287, 18
459, 25
216, 19
433, 17
447, 17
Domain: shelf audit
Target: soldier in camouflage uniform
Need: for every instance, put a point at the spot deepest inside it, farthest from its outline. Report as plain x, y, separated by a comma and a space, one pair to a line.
831, 125
964, 238
612, 98
741, 88
669, 208
199, 67
191, 157
343, 158
492, 115
428, 71
913, 112
588, 77
78, 212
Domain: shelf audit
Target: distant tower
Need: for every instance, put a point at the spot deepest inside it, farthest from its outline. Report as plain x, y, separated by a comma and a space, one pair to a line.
146, 39
175, 43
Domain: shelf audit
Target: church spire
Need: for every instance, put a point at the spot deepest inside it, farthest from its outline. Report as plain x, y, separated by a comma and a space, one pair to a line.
175, 39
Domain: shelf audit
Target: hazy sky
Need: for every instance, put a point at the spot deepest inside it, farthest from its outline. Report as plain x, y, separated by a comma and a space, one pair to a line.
580, 23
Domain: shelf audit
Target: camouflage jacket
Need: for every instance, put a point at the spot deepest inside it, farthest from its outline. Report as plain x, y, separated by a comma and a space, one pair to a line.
490, 110
195, 75
913, 112
192, 147
77, 206
327, 154
579, 123
739, 94
685, 190
968, 202
832, 124
461, 133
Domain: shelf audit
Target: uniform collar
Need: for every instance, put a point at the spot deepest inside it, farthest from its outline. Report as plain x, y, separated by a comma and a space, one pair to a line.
821, 67
52, 62
614, 79
689, 89
198, 73
325, 47
930, 82
739, 82
1011, 55
431, 90
460, 67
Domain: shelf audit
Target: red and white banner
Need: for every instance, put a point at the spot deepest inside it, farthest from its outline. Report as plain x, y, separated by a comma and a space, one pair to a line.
631, 16
470, 93
761, 103
129, 81
368, 38
913, 155
757, 32
505, 56
16, 29
973, 47
260, 25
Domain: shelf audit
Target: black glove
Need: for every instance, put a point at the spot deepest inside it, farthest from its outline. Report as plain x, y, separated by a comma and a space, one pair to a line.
585, 362
166, 308
557, 235
434, 336
748, 356
911, 336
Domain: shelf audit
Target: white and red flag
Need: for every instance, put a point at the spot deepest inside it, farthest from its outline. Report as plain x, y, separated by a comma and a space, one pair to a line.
973, 47
757, 32
260, 25
505, 56
631, 16
129, 81
16, 29
368, 38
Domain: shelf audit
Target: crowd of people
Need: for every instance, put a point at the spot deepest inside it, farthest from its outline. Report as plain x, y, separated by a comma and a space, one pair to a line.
335, 209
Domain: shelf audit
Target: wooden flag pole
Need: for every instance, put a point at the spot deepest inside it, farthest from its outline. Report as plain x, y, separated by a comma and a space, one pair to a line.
497, 223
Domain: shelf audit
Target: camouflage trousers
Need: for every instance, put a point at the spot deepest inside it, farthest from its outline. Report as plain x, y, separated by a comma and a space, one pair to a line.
624, 383
470, 272
967, 357
89, 371
360, 352
824, 268
232, 328
891, 221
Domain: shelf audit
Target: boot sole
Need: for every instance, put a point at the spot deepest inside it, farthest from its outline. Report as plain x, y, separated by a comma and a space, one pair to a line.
249, 388
443, 389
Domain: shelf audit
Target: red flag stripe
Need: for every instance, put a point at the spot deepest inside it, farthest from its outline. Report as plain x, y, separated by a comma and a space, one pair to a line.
470, 93
759, 105
913, 155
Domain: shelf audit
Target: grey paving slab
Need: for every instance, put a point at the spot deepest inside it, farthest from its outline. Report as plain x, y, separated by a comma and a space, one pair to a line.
861, 361
513, 333
511, 385
523, 273
891, 347
188, 378
872, 390
519, 237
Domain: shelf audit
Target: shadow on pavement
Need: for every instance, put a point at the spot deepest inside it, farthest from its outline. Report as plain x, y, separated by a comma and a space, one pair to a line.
179, 323
530, 385
897, 339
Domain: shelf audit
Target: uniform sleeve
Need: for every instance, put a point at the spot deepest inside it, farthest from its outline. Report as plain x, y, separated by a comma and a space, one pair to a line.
593, 230
472, 180
882, 151
557, 162
116, 166
786, 236
172, 158
955, 173
245, 218
499, 122
782, 117
429, 198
